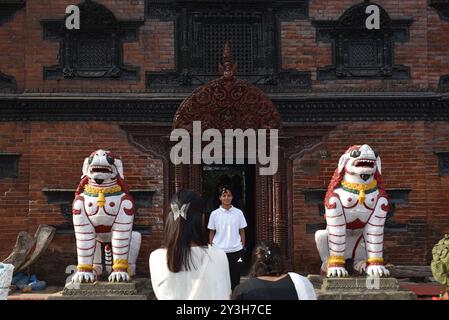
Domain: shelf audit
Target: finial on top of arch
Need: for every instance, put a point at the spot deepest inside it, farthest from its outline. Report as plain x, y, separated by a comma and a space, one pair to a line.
227, 52
228, 69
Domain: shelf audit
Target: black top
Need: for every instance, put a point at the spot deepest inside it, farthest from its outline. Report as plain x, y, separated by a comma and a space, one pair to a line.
257, 289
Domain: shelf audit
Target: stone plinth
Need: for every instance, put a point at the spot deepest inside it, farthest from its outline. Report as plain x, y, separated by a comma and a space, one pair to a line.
359, 288
138, 289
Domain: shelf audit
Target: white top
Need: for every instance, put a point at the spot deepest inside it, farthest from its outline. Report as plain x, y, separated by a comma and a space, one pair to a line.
227, 224
209, 281
303, 286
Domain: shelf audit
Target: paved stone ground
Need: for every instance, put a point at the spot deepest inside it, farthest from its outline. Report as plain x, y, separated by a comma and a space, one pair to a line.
423, 291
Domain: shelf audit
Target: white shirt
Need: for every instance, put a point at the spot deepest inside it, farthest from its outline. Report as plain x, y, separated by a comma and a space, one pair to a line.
303, 286
210, 279
227, 224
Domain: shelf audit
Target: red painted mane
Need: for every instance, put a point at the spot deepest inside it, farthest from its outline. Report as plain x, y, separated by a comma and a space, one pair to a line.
334, 184
81, 185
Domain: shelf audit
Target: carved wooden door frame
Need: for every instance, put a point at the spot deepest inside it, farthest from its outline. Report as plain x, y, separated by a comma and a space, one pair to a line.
229, 103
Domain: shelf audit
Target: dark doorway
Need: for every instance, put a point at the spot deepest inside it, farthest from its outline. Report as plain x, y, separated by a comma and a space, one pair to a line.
242, 180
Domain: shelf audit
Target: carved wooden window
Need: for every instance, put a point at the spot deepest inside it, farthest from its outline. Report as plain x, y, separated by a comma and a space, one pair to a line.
251, 28
359, 52
241, 35
95, 50
9, 165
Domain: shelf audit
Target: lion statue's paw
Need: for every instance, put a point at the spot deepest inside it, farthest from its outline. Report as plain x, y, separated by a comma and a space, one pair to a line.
337, 272
377, 271
82, 276
119, 276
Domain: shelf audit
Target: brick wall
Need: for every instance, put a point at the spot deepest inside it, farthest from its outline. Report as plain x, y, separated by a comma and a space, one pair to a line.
14, 196
25, 53
52, 157
53, 152
408, 161
300, 50
12, 44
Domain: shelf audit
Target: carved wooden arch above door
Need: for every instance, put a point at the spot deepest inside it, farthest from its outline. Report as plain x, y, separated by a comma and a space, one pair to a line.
228, 103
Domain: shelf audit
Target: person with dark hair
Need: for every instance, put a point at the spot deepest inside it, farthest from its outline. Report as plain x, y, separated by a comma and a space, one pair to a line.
226, 225
186, 267
269, 280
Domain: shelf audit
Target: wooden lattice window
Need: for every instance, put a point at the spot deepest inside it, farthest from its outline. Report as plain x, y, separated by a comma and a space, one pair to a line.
241, 35
252, 28
362, 53
95, 50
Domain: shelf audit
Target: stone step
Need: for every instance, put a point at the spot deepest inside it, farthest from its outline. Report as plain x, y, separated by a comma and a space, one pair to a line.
137, 289
354, 283
359, 288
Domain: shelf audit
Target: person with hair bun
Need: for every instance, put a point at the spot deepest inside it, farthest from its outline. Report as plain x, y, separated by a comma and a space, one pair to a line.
186, 267
269, 280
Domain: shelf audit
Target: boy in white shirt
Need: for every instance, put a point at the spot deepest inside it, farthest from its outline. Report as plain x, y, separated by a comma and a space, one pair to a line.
226, 225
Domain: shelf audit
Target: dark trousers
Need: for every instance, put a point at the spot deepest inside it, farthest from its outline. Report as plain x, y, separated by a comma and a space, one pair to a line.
234, 267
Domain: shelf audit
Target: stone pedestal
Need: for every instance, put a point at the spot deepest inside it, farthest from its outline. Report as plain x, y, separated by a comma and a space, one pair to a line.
138, 289
359, 288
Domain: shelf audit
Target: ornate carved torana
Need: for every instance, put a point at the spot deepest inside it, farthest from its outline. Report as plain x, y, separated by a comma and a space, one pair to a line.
252, 28
228, 103
95, 51
360, 53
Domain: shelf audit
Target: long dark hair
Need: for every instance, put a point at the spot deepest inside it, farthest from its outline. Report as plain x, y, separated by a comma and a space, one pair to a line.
180, 233
267, 260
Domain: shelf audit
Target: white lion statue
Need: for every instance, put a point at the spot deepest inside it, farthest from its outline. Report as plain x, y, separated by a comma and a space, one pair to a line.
103, 214
356, 209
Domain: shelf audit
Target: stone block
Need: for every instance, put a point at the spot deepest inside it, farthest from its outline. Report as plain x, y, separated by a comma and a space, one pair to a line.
138, 289
359, 288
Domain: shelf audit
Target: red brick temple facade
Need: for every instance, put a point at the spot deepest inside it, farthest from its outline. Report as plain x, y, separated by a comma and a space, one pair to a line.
125, 80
